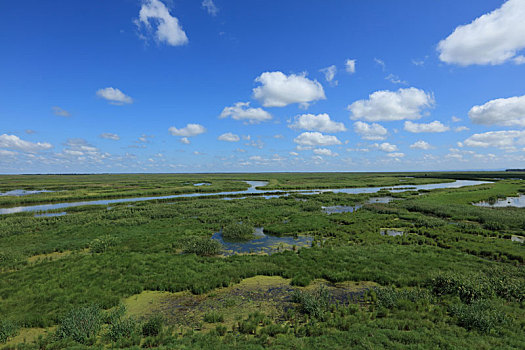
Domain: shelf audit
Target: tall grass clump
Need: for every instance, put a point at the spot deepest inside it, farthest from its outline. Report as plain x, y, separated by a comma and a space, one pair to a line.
481, 315
81, 324
202, 246
7, 329
314, 303
100, 245
238, 232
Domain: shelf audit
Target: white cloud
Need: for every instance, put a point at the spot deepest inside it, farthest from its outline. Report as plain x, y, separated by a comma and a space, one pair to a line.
372, 131
381, 63
110, 136
396, 155
243, 111
456, 119
493, 38
188, 130
279, 90
386, 147
210, 6
295, 154
16, 143
316, 139
501, 139
60, 112
395, 79
387, 105
229, 137
329, 74
350, 66
114, 96
320, 122
461, 128
325, 152
434, 126
155, 13
421, 145
6, 153
502, 111
185, 140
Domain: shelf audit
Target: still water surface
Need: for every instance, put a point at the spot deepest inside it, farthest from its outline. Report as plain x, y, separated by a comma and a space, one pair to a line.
252, 190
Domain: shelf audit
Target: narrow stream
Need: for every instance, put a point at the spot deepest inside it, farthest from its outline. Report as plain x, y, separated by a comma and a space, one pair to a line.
252, 190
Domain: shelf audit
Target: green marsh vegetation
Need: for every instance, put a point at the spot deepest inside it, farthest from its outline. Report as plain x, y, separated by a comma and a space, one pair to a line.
454, 279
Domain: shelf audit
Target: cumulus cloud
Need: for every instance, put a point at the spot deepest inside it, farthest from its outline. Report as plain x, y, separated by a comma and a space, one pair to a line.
434, 126
508, 139
60, 112
316, 139
110, 136
329, 74
350, 66
229, 137
493, 38
320, 122
154, 13
279, 90
461, 128
396, 155
325, 152
114, 96
421, 145
502, 111
372, 131
387, 105
6, 153
185, 140
16, 143
243, 111
188, 131
210, 6
386, 147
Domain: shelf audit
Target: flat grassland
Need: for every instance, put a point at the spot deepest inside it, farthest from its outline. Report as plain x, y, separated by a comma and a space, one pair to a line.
149, 274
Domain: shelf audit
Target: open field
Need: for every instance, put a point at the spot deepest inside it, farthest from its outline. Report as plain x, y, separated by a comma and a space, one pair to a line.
149, 274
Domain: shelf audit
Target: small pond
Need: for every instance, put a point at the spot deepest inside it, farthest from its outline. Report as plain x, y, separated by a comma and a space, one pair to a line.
351, 208
515, 238
518, 202
262, 243
391, 232
202, 184
19, 193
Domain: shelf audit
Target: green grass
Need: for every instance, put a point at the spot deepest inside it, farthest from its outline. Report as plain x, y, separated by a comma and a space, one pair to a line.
454, 265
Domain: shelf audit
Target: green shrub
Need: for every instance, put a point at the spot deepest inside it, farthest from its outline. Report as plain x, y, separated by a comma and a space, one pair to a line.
274, 329
7, 329
480, 315
213, 317
221, 330
122, 328
238, 232
202, 246
81, 324
100, 245
314, 303
153, 326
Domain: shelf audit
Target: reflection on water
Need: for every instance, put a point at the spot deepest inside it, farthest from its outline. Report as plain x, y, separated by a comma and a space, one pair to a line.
48, 215
252, 190
518, 202
337, 209
391, 232
262, 243
202, 184
19, 193
515, 238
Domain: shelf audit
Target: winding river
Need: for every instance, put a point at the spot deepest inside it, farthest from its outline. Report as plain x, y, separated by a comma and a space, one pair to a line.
251, 190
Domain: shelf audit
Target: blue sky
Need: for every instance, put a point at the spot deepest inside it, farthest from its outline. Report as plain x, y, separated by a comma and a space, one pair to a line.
258, 85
